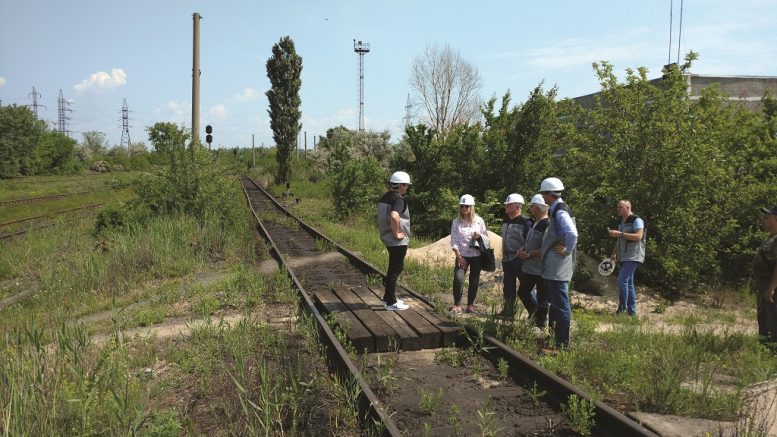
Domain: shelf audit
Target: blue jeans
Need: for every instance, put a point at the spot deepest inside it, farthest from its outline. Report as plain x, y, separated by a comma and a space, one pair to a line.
627, 294
560, 309
535, 304
767, 316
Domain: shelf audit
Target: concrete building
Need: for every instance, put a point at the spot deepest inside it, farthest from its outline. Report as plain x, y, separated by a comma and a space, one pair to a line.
741, 90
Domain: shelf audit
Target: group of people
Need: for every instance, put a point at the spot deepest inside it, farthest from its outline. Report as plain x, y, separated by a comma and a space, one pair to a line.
539, 254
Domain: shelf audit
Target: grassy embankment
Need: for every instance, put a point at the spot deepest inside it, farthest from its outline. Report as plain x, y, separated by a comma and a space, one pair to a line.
165, 328
692, 370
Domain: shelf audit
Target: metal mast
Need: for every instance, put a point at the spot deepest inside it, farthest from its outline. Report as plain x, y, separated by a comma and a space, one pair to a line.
35, 104
62, 118
361, 48
408, 115
125, 126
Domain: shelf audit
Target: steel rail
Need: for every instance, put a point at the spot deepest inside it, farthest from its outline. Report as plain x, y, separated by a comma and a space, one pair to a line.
370, 407
609, 422
51, 214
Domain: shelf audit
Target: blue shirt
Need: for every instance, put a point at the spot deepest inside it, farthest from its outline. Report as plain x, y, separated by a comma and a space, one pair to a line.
565, 226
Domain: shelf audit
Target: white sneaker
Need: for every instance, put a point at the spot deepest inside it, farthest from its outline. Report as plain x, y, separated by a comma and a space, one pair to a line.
398, 301
399, 306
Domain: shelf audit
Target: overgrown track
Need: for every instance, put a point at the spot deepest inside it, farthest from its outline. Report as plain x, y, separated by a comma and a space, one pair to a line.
41, 198
291, 240
18, 232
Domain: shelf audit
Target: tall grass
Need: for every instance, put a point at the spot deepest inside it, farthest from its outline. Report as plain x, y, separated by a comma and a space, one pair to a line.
55, 382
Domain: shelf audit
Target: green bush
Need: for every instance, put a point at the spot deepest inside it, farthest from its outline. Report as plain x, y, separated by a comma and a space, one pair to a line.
356, 186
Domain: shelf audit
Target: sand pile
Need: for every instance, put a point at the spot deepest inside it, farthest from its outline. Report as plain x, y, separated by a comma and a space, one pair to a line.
440, 254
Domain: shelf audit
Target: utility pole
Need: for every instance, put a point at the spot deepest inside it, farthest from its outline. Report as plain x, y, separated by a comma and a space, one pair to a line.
125, 136
35, 104
306, 144
253, 150
196, 81
62, 108
362, 48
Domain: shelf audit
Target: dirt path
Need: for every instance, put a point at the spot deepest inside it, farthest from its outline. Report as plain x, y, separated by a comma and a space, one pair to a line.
184, 327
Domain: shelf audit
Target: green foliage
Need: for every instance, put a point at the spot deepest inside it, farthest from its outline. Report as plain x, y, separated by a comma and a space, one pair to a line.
20, 137
167, 138
55, 154
284, 69
356, 186
581, 414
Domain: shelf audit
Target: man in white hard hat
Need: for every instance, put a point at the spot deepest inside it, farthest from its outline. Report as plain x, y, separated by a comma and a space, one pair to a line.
559, 252
765, 280
514, 228
531, 254
394, 228
629, 253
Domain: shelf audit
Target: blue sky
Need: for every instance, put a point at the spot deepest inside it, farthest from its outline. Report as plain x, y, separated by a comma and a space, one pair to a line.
101, 52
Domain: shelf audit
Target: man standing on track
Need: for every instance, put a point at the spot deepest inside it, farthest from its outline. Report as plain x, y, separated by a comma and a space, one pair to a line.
394, 228
559, 251
765, 276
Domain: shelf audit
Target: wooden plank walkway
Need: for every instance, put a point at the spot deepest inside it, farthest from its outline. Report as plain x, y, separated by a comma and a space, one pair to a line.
360, 313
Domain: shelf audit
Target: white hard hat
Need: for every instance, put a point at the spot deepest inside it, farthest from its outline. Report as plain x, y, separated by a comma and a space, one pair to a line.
551, 184
606, 267
467, 200
514, 198
538, 200
400, 177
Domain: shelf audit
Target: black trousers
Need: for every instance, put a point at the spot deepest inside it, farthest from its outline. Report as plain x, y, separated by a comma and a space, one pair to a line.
395, 267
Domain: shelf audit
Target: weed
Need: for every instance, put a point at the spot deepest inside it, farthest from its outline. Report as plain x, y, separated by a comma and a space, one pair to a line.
453, 356
453, 418
487, 421
757, 413
324, 246
430, 401
581, 414
536, 394
477, 368
503, 368
374, 280
427, 429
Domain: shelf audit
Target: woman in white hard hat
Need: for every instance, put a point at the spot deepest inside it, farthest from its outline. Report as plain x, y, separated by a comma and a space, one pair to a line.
467, 232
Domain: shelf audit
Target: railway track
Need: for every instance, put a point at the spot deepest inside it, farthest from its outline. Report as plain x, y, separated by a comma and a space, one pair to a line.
17, 232
42, 198
407, 379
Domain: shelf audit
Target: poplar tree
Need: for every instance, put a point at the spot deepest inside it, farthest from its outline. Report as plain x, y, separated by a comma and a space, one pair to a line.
284, 69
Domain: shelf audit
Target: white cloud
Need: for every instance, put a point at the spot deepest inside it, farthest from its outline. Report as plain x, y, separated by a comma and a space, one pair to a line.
102, 81
174, 111
249, 94
218, 111
2, 81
